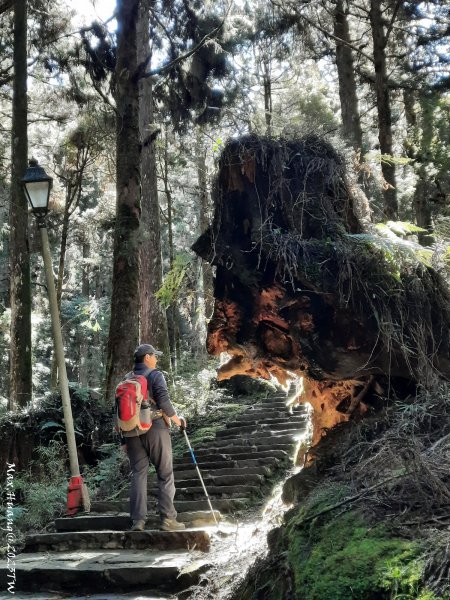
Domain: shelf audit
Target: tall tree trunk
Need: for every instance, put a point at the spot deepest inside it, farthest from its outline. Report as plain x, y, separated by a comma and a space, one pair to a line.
172, 320
124, 327
94, 374
351, 123
384, 110
424, 187
85, 289
20, 290
153, 322
268, 109
204, 223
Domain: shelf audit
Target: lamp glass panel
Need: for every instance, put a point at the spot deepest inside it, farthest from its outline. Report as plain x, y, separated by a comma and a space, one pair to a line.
38, 193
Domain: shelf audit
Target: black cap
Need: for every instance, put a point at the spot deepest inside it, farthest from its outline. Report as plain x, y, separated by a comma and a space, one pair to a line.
144, 349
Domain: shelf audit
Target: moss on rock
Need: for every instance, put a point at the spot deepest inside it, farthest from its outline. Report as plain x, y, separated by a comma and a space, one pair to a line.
343, 557
346, 558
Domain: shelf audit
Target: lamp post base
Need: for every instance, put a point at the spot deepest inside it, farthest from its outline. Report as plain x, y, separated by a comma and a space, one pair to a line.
77, 497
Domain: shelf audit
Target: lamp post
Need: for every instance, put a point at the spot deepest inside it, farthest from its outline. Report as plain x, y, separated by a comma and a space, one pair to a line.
37, 185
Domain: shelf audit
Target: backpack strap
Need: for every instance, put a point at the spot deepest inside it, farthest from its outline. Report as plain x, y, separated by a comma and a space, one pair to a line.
150, 388
147, 373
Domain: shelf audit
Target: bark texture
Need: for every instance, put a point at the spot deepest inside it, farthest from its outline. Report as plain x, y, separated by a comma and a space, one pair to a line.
300, 291
20, 288
204, 223
153, 321
351, 124
384, 110
124, 327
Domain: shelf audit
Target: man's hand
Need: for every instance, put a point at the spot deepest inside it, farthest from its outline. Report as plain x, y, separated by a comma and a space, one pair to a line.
123, 447
180, 421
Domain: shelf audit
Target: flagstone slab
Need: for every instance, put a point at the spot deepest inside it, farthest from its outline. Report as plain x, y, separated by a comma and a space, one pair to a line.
93, 540
121, 521
97, 570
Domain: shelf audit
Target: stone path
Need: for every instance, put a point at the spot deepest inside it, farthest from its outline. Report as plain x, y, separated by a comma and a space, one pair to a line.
96, 553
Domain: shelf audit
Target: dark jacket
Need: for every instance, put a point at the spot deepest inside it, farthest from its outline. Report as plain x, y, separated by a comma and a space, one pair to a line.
157, 390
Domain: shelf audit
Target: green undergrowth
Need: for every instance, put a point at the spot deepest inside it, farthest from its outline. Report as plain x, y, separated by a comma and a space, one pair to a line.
38, 498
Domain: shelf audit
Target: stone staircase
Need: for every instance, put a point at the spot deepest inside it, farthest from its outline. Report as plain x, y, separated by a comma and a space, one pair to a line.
96, 552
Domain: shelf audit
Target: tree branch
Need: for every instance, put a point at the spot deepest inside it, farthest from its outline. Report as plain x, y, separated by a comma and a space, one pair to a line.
183, 57
6, 5
325, 32
391, 24
349, 499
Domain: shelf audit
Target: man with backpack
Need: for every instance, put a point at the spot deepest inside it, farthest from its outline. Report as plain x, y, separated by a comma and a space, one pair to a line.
145, 436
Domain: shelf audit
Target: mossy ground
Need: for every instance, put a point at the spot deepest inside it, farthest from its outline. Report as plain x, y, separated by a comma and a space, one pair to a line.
347, 558
340, 556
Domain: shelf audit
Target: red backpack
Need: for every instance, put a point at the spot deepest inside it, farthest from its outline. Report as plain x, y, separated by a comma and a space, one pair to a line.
132, 408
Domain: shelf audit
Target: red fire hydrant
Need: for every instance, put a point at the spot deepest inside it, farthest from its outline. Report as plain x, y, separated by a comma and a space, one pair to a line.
74, 496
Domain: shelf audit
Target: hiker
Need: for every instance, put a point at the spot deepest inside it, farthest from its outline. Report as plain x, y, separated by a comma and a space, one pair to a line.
152, 445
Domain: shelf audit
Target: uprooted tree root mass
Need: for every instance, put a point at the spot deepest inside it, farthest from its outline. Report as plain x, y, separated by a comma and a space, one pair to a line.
304, 287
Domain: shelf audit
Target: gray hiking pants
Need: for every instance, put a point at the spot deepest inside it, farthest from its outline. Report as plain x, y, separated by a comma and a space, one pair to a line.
154, 446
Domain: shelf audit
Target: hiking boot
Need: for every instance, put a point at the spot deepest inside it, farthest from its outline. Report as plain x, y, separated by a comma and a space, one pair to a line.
138, 525
171, 525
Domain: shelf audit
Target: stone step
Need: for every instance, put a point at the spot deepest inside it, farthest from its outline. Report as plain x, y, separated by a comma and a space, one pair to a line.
192, 473
249, 451
103, 571
261, 420
122, 521
118, 540
224, 505
222, 491
276, 405
244, 444
265, 412
260, 429
276, 399
257, 438
182, 506
265, 401
215, 480
273, 405
225, 463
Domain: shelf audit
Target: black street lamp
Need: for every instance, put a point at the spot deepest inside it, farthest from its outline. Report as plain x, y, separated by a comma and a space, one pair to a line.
37, 185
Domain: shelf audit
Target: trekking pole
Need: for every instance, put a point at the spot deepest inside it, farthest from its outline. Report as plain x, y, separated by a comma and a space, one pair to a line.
194, 460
